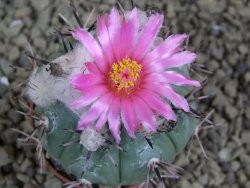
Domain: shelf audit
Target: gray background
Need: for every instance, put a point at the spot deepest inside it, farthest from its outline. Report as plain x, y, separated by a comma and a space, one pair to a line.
219, 33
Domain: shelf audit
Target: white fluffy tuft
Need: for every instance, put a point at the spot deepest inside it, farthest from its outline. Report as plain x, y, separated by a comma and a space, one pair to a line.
74, 61
45, 87
91, 139
41, 87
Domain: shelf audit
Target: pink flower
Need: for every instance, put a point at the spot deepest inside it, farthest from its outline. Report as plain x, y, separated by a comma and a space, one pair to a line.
128, 79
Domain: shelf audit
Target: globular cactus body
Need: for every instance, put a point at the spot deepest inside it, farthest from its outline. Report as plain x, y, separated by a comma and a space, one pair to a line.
131, 162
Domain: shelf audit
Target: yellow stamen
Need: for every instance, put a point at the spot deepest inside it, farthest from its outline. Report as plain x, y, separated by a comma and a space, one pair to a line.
125, 73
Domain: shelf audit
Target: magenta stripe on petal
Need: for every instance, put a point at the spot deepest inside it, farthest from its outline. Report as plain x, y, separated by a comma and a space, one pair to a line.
114, 119
153, 78
168, 92
176, 99
102, 120
166, 48
91, 95
104, 38
115, 32
177, 60
91, 44
94, 111
172, 77
144, 113
147, 36
83, 101
115, 21
91, 67
104, 116
128, 116
94, 89
81, 81
81, 126
129, 31
88, 118
158, 104
152, 68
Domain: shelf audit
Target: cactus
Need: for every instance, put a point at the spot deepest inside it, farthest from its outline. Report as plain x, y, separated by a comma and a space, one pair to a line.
130, 165
107, 156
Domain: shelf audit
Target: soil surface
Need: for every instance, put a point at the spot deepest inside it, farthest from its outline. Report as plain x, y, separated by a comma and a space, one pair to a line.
219, 32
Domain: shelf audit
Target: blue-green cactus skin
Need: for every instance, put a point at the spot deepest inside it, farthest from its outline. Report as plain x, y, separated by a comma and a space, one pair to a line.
131, 164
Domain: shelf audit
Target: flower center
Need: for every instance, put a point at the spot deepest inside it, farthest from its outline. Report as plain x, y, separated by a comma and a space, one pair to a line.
124, 74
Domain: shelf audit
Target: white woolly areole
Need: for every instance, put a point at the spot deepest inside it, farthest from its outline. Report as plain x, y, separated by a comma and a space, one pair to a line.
45, 87
74, 61
91, 139
41, 87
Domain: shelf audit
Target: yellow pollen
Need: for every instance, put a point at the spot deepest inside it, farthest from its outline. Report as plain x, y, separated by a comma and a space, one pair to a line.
125, 73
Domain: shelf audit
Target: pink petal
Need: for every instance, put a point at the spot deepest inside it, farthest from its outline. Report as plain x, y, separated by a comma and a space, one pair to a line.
114, 119
102, 120
172, 77
83, 101
92, 93
155, 102
115, 32
177, 60
154, 78
166, 48
91, 66
81, 81
176, 99
83, 123
95, 89
128, 116
103, 36
115, 21
167, 91
151, 68
94, 111
147, 36
129, 31
91, 44
144, 113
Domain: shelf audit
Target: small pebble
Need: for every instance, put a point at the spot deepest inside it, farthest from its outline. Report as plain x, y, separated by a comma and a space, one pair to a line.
231, 111
225, 154
4, 157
